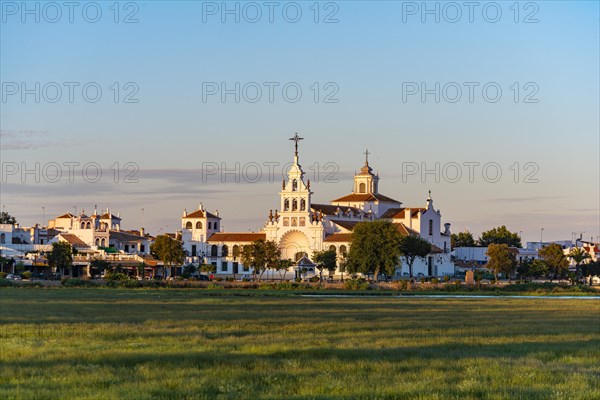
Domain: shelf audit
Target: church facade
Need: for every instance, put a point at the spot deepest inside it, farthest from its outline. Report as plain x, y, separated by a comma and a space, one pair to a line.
301, 227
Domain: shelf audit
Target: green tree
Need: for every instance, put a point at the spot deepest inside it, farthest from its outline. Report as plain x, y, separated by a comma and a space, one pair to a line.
188, 271
283, 265
579, 256
530, 268
591, 269
500, 235
501, 260
462, 239
208, 268
413, 247
169, 251
556, 260
61, 257
261, 255
325, 260
375, 247
6, 218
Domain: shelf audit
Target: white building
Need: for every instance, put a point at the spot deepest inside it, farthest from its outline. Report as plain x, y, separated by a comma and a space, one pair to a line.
301, 228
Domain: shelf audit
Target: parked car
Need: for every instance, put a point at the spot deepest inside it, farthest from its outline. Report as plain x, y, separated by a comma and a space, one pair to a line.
13, 277
203, 278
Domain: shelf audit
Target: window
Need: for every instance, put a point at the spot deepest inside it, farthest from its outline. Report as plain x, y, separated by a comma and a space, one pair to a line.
188, 225
430, 227
224, 267
343, 250
286, 205
88, 225
332, 248
193, 250
294, 185
198, 225
97, 242
236, 251
302, 221
295, 205
126, 248
302, 205
286, 221
224, 250
445, 245
246, 268
142, 248
83, 225
362, 188
215, 225
213, 250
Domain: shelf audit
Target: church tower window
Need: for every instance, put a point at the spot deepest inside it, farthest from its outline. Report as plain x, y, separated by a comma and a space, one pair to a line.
362, 188
286, 221
302, 221
294, 221
188, 225
302, 205
430, 227
295, 205
294, 185
198, 225
286, 205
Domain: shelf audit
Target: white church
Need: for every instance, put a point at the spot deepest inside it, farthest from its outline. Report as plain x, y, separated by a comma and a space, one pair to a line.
301, 227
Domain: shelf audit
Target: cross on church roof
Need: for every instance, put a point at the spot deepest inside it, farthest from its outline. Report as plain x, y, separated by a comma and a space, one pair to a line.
296, 139
366, 153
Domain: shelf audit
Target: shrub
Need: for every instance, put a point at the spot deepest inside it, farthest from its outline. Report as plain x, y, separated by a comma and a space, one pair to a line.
76, 282
314, 279
5, 283
116, 276
356, 284
446, 278
214, 286
229, 279
245, 280
26, 275
218, 279
435, 281
422, 280
3, 275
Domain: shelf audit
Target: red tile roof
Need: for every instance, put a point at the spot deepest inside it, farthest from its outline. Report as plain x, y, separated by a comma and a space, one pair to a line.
357, 197
345, 224
339, 238
328, 209
245, 237
201, 214
405, 230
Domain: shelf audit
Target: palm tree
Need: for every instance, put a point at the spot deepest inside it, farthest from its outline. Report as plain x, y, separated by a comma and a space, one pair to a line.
578, 255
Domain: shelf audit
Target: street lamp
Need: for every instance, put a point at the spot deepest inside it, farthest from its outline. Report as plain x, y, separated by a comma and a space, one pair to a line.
541, 238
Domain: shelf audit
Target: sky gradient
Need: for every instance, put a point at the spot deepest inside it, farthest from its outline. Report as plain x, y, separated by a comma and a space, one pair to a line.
364, 65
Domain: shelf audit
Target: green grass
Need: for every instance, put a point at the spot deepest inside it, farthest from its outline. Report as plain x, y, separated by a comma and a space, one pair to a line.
194, 344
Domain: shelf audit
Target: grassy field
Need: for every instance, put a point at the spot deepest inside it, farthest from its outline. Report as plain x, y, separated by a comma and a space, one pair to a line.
193, 344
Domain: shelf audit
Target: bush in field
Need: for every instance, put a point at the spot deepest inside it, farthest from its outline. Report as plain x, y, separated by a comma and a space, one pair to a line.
402, 285
3, 275
214, 286
5, 283
356, 284
116, 276
446, 278
76, 282
435, 281
26, 275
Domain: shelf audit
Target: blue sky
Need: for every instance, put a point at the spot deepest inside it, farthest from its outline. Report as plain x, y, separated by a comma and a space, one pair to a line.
368, 57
